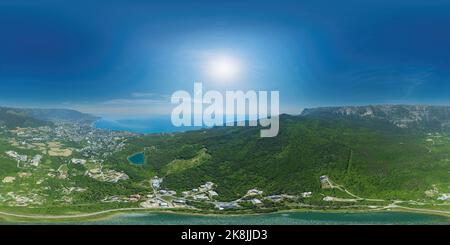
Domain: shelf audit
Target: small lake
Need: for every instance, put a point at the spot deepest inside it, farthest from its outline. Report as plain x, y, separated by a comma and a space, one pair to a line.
137, 158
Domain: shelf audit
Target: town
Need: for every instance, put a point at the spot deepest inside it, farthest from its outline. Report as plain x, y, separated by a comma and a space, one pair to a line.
45, 154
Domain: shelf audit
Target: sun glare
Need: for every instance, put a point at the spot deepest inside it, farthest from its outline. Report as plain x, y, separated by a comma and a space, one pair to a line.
224, 68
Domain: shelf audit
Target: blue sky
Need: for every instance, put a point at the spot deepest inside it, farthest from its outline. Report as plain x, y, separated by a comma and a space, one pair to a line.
124, 58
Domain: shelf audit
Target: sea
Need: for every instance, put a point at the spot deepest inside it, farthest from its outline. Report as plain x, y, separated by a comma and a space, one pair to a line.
148, 125
281, 218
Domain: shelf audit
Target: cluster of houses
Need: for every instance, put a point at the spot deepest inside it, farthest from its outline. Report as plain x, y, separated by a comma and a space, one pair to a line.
17, 156
108, 175
203, 193
255, 197
325, 182
162, 198
78, 161
124, 199
156, 182
154, 202
8, 179
16, 200
97, 143
444, 197
35, 161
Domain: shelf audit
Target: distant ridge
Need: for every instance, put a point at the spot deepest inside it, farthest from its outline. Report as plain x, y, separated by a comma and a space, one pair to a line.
12, 118
58, 115
28, 117
402, 116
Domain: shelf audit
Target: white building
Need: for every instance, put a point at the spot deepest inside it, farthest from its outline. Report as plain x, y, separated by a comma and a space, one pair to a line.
156, 182
36, 160
256, 201
9, 179
209, 185
78, 161
18, 157
306, 194
212, 193
163, 205
201, 197
444, 197
254, 192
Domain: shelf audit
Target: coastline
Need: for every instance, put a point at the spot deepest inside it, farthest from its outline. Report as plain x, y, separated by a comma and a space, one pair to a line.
104, 215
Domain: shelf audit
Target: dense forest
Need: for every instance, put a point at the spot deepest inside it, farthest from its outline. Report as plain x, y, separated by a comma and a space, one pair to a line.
371, 157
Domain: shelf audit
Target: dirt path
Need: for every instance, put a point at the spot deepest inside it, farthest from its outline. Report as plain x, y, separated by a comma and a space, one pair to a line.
342, 188
421, 210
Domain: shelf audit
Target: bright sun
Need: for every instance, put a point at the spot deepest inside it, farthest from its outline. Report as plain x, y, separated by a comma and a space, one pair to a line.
224, 68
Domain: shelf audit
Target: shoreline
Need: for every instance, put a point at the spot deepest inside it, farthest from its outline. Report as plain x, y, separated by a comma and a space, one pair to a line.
107, 214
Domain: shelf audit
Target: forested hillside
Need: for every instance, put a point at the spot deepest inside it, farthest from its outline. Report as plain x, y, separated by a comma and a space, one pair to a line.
370, 156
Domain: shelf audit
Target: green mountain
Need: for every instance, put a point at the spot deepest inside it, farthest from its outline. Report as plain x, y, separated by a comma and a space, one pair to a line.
336, 157
403, 116
12, 118
374, 151
61, 115
19, 117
